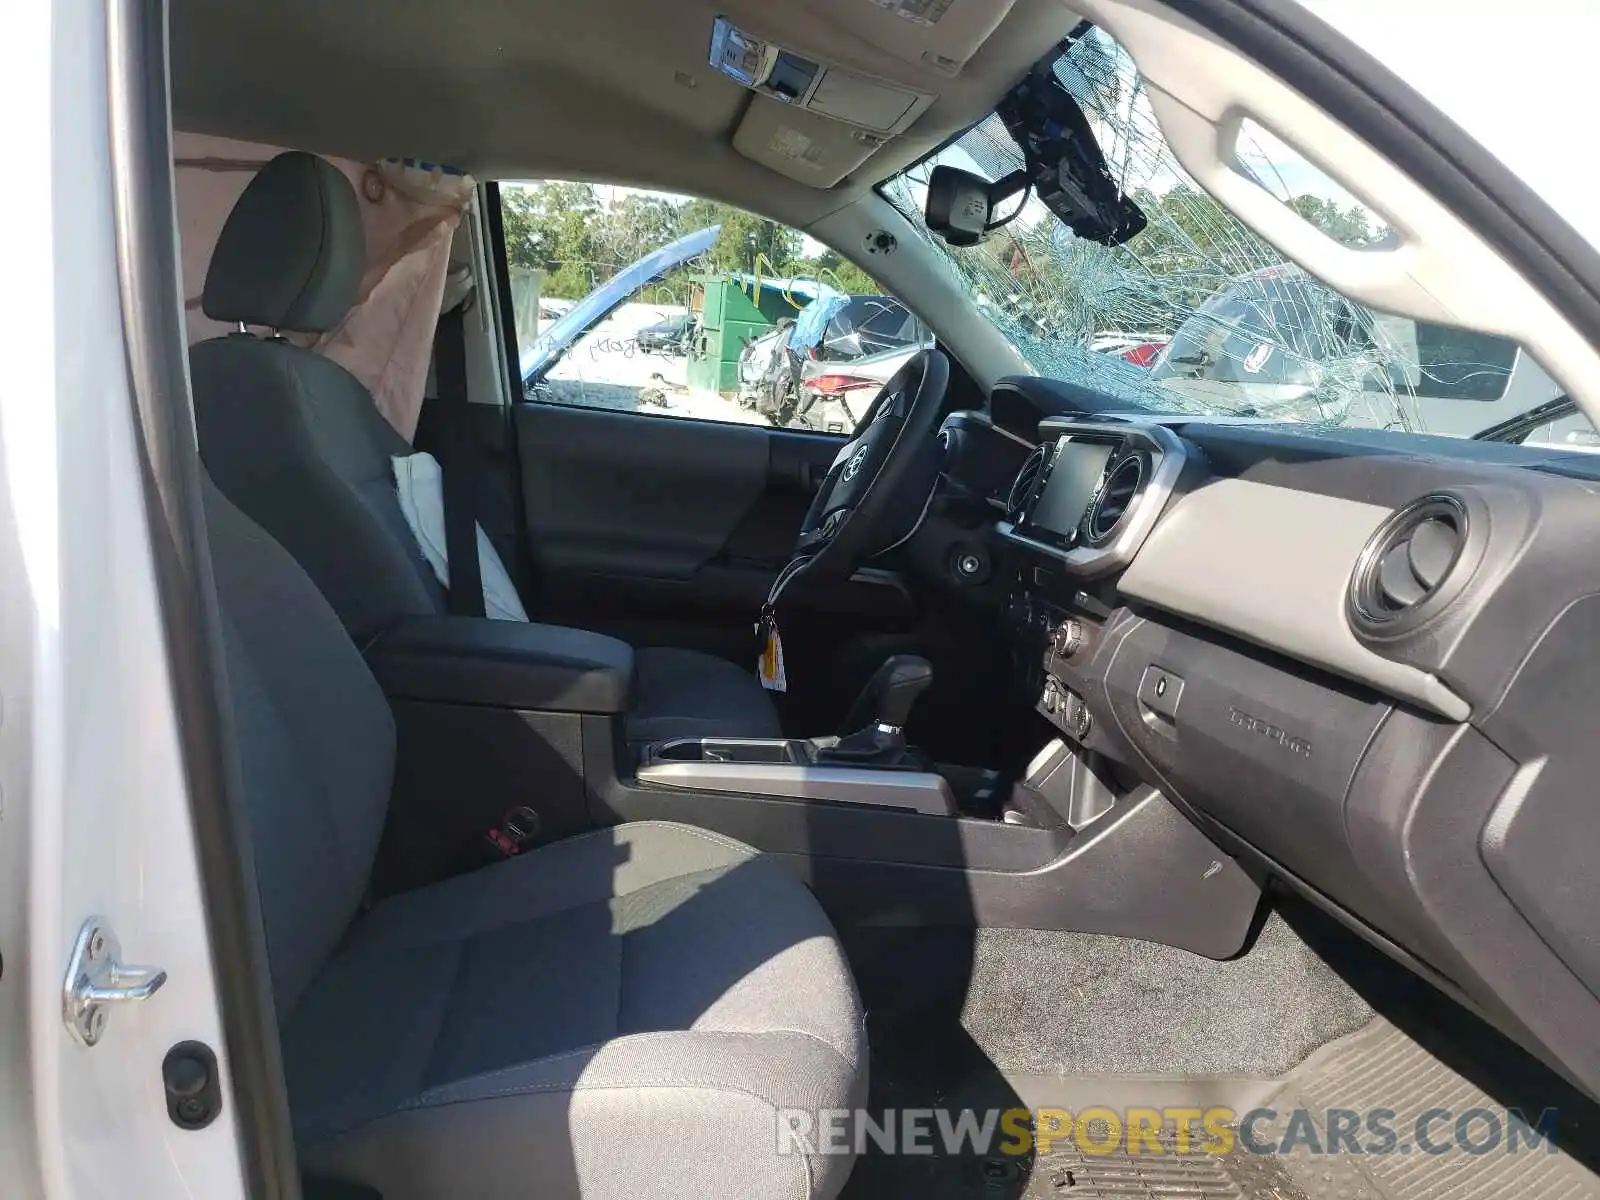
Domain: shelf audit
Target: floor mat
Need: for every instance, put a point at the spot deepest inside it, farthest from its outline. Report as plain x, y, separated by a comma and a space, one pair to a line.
1005, 1019
1383, 1068
1378, 1068
1075, 1175
1013, 1020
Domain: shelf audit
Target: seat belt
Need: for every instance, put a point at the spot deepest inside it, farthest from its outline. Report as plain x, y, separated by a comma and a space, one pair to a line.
458, 448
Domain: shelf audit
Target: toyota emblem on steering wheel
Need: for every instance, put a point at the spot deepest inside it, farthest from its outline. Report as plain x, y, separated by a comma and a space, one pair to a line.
857, 461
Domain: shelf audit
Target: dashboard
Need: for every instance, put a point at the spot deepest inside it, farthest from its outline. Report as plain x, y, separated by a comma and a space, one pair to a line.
1366, 666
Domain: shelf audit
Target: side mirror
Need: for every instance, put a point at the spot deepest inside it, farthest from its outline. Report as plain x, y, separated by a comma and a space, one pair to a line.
960, 205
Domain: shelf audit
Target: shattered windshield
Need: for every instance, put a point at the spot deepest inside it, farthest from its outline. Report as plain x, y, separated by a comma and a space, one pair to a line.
1196, 313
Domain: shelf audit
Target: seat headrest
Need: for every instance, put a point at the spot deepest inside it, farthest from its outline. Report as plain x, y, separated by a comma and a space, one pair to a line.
292, 252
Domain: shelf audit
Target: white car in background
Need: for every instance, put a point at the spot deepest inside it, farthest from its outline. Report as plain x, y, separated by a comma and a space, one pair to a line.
1140, 349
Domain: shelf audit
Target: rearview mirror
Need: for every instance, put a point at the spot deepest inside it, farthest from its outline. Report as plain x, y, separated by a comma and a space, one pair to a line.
960, 205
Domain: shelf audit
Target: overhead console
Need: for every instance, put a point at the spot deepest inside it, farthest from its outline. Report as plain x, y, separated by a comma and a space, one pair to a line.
812, 120
793, 78
1368, 666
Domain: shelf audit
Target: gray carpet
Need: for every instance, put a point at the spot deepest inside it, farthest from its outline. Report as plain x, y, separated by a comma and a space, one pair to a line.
1052, 1003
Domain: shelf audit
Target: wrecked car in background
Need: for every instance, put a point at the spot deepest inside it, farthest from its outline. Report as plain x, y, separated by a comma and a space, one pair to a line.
672, 335
821, 369
1277, 343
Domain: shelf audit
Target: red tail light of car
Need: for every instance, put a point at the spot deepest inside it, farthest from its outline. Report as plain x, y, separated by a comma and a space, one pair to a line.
1144, 354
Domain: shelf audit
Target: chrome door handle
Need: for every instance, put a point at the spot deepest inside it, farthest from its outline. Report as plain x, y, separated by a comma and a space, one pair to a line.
96, 978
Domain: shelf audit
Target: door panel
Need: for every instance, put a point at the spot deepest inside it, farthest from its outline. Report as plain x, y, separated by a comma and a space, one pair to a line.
668, 531
608, 496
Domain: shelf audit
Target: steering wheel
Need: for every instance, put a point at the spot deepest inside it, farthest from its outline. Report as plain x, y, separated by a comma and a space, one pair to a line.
872, 495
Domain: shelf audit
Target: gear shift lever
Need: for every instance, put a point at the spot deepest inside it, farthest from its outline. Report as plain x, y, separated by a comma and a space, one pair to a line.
890, 694
874, 729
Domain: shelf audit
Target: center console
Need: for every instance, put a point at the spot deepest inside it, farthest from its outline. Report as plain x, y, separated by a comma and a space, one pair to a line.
1089, 495
1081, 507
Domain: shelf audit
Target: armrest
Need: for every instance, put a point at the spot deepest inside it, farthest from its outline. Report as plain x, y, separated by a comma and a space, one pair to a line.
506, 664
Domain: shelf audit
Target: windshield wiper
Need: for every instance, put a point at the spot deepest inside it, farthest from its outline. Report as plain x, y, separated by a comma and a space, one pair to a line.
1514, 429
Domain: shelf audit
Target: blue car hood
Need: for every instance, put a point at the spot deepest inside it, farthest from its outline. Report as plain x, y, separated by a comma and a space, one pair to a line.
597, 305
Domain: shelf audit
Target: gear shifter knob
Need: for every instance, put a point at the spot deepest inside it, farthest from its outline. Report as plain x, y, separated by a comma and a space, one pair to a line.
890, 694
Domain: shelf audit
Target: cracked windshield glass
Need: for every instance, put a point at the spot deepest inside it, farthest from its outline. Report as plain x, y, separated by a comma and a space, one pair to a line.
655, 303
1197, 314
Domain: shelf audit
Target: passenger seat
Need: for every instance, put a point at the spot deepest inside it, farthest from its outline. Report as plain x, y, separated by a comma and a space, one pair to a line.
619, 1014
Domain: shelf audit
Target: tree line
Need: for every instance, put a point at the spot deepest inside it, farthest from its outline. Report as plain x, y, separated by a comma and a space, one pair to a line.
579, 241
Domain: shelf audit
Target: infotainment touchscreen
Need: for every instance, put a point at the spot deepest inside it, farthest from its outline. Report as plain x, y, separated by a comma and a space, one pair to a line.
1074, 477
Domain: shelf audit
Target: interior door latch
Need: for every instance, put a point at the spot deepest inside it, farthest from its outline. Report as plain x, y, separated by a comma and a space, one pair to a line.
96, 977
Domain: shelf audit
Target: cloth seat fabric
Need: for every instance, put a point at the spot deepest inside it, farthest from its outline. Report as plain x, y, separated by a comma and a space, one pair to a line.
683, 694
619, 1014
629, 1005
298, 443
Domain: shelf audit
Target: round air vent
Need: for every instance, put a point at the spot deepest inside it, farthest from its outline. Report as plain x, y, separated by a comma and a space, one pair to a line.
1123, 480
1411, 567
1027, 478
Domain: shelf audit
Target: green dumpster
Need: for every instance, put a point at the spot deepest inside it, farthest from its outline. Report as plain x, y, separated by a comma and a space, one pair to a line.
737, 310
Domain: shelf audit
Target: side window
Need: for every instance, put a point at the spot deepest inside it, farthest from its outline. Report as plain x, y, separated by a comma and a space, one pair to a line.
660, 304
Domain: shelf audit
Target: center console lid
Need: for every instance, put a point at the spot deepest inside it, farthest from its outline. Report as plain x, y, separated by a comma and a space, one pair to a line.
505, 664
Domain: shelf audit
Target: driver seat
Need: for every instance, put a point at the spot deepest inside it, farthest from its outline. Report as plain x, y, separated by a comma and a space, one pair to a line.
298, 444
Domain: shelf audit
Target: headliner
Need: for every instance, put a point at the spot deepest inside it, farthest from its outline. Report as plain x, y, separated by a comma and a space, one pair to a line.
515, 89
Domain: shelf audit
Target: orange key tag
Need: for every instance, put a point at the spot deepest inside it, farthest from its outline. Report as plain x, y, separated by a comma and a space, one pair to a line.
769, 668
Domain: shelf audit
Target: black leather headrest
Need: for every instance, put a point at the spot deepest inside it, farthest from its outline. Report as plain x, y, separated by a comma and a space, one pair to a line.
292, 251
